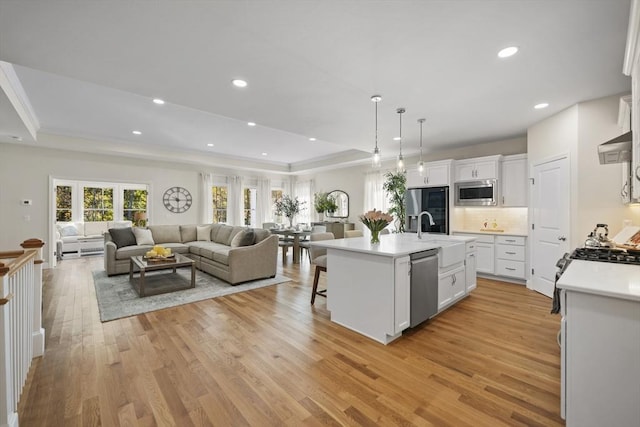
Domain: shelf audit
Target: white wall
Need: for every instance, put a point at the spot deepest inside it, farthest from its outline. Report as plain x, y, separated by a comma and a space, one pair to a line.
594, 188
25, 173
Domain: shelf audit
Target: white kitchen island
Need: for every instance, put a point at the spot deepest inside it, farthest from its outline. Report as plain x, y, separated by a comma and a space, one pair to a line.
368, 286
600, 356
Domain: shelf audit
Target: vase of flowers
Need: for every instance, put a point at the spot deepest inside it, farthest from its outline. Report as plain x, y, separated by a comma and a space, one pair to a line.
288, 207
375, 221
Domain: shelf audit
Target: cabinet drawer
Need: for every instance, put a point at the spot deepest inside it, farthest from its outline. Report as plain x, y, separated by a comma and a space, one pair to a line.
510, 268
510, 252
470, 247
511, 240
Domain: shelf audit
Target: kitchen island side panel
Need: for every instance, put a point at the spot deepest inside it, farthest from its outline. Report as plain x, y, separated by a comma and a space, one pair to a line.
603, 360
360, 293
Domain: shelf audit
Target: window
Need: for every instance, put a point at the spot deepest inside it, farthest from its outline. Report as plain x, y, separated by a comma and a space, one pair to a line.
98, 204
249, 196
63, 203
134, 205
219, 197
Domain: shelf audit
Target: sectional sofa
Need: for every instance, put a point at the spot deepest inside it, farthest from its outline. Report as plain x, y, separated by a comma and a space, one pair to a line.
233, 254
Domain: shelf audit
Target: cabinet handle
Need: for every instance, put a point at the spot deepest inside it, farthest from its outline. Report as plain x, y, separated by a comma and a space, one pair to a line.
503, 200
638, 173
510, 253
510, 269
510, 240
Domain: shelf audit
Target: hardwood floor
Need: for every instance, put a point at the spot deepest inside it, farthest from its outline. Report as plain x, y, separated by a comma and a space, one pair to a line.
266, 357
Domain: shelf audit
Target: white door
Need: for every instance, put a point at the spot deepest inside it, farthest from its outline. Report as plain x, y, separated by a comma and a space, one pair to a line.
550, 220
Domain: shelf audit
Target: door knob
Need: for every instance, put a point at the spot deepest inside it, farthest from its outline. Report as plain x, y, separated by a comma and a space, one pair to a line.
562, 238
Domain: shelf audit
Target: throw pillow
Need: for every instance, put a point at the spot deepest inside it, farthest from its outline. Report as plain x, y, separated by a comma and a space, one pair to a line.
244, 238
143, 236
122, 237
69, 230
203, 233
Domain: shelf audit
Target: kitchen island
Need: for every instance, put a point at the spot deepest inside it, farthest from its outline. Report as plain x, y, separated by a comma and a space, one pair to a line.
600, 344
368, 286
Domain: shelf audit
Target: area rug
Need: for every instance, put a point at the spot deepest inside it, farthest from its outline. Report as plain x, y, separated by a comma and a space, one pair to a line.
117, 298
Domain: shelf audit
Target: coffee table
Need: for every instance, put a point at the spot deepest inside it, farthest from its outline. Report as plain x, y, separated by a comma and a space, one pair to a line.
144, 266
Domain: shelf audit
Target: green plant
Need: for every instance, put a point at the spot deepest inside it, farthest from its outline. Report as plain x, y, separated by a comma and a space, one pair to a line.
396, 186
288, 207
323, 202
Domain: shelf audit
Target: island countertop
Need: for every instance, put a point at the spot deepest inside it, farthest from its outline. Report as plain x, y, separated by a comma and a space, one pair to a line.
393, 245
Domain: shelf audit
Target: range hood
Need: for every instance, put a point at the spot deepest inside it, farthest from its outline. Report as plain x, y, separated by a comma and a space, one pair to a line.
617, 150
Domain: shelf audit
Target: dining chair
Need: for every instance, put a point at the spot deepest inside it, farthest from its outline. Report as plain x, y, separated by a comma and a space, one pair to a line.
304, 244
353, 233
319, 259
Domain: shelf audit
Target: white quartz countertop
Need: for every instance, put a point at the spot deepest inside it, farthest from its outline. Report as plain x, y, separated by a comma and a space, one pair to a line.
602, 278
393, 245
493, 233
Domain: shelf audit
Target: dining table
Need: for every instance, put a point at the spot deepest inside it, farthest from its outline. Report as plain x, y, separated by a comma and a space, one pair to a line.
296, 234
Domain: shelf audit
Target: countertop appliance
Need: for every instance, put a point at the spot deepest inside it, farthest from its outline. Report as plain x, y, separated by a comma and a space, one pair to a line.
476, 193
434, 200
424, 286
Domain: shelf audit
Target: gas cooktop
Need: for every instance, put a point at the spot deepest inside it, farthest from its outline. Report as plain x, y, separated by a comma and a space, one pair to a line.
619, 256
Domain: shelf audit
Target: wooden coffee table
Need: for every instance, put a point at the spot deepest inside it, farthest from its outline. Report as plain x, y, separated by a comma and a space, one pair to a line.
144, 266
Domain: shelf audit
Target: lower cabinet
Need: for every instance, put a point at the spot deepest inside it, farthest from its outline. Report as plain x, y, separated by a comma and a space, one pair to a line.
451, 286
470, 271
503, 256
402, 294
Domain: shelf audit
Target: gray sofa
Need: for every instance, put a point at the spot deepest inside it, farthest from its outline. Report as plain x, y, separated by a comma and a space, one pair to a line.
213, 252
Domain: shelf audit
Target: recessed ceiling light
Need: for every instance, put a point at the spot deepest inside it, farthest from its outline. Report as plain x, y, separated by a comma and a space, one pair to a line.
136, 132
264, 154
251, 124
158, 101
209, 145
312, 139
541, 105
239, 83
396, 138
508, 51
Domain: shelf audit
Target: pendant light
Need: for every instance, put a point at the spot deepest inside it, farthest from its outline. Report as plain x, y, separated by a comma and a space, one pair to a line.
420, 162
376, 161
400, 165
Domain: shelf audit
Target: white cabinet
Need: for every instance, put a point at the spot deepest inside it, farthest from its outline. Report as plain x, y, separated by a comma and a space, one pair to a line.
600, 360
470, 265
485, 258
514, 182
631, 68
402, 294
477, 168
435, 174
510, 256
451, 286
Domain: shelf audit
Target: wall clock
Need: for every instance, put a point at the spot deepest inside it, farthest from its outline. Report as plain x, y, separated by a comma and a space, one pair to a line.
177, 199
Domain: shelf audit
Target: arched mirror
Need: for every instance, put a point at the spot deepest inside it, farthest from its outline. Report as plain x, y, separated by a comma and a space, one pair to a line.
342, 200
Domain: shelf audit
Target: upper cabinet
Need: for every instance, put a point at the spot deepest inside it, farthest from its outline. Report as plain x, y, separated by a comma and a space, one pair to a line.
514, 181
631, 68
436, 174
477, 168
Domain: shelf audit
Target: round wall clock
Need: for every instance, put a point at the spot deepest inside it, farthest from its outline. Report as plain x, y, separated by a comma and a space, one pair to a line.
177, 199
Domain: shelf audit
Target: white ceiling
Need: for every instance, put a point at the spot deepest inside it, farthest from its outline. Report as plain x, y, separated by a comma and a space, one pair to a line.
90, 70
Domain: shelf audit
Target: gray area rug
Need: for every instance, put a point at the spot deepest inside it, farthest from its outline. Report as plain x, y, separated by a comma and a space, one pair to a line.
117, 298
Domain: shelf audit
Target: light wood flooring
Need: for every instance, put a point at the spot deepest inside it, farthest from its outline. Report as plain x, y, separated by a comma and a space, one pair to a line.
267, 357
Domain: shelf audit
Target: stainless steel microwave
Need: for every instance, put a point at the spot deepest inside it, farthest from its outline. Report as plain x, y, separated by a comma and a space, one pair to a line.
476, 193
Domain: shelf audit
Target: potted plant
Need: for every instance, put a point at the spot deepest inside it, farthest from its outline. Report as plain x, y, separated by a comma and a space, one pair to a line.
323, 202
396, 186
288, 207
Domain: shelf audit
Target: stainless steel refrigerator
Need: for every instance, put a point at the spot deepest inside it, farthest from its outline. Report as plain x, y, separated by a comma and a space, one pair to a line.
434, 200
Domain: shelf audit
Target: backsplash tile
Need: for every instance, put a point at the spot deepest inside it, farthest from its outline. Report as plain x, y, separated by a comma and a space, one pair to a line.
514, 220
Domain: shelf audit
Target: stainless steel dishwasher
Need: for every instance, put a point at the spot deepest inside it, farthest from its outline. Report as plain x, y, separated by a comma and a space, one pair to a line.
424, 286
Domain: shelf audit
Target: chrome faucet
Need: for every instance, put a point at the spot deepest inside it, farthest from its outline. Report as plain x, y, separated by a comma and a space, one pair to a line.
420, 222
